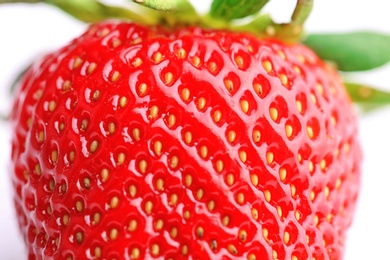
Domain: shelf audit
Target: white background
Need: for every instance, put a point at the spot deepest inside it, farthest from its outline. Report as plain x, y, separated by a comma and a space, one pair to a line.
28, 30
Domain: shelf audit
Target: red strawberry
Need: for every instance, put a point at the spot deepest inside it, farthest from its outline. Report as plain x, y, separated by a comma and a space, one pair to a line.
136, 142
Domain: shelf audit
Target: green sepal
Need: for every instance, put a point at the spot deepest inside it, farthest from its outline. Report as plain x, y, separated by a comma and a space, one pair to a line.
356, 51
366, 97
234, 9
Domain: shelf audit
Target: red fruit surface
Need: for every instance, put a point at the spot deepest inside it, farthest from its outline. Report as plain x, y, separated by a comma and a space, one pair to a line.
135, 142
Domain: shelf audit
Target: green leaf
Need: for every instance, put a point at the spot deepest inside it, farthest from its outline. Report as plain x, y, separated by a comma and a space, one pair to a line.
367, 97
234, 9
355, 51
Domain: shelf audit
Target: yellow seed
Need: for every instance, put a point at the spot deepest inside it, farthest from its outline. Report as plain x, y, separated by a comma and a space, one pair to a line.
96, 218
181, 53
258, 88
267, 65
135, 253
243, 156
185, 94
286, 237
173, 232
274, 254
123, 102
174, 199
114, 202
333, 120
338, 183
212, 66
65, 219
188, 180
160, 184
320, 88
174, 162
242, 235
219, 165
168, 78
148, 207
282, 55
312, 195
195, 61
72, 155
79, 237
159, 224
297, 215
251, 257
201, 103
157, 57
199, 194
96, 95
171, 120
255, 213
250, 48
231, 136
94, 146
153, 112
255, 179
240, 198
283, 79
184, 250
54, 156
230, 179
116, 43
316, 220
329, 217
104, 174
282, 173
114, 234
52, 105
142, 166
188, 137
310, 132
313, 98
293, 257
267, 195
98, 252
289, 130
217, 116
132, 190
323, 164
293, 190
137, 62
270, 157
239, 61
91, 67
232, 249
225, 221
111, 127
297, 69
79, 206
265, 233
186, 214
121, 159
301, 58
256, 135
115, 76
133, 225
326, 191
244, 106
280, 212
155, 250
203, 151
142, 88
41, 136
157, 148
77, 62
229, 85
211, 205
274, 113
299, 106
311, 166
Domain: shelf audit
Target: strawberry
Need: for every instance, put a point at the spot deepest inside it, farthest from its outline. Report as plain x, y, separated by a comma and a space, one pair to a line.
142, 142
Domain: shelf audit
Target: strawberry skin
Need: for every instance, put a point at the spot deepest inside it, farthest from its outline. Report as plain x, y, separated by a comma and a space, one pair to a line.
139, 143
